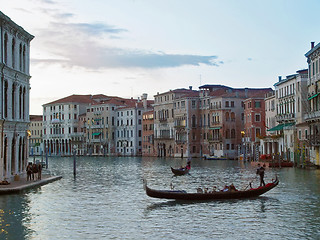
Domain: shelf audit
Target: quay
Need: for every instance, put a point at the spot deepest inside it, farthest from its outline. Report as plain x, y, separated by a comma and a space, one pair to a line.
22, 184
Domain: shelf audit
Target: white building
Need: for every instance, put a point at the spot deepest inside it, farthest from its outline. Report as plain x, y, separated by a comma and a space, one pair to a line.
15, 85
291, 106
61, 125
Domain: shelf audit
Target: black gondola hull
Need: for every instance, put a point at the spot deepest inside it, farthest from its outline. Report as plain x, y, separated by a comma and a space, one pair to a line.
182, 195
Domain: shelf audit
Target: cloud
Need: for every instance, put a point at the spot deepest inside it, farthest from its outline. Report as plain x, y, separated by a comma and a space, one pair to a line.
80, 45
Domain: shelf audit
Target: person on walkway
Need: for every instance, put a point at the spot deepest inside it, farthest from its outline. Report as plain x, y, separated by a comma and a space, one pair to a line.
260, 172
29, 171
34, 171
39, 170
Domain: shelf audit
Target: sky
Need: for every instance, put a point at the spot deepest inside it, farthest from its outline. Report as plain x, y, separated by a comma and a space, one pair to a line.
129, 47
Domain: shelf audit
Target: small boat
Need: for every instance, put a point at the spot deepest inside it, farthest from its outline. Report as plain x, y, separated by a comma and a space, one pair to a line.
179, 171
183, 195
214, 158
282, 164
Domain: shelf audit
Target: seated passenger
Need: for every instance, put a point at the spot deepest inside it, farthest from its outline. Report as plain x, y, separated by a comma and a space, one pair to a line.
225, 189
232, 188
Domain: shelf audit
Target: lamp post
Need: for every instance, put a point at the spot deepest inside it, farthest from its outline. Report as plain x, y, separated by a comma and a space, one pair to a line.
74, 160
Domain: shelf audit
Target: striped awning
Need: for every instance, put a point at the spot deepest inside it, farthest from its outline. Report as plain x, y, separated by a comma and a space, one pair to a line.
96, 134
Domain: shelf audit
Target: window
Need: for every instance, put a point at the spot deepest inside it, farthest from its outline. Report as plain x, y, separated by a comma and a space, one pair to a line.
193, 104
227, 104
232, 103
258, 132
257, 104
257, 117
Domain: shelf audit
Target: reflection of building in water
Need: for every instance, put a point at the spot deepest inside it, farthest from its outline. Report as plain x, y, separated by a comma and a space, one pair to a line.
15, 85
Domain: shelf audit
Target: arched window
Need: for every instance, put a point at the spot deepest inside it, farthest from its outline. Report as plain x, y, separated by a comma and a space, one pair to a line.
6, 48
233, 117
227, 134
5, 99
13, 156
208, 119
20, 57
13, 100
13, 53
233, 133
24, 59
5, 156
227, 116
193, 123
20, 102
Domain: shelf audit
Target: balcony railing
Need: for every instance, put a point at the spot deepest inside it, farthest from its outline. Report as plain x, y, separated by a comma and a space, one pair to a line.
56, 121
312, 115
314, 140
215, 139
163, 137
285, 117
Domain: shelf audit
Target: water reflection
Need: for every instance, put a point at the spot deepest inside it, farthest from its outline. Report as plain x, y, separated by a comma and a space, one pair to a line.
14, 221
106, 200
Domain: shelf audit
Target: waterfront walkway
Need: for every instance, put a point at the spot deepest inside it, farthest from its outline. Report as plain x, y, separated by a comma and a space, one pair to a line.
23, 184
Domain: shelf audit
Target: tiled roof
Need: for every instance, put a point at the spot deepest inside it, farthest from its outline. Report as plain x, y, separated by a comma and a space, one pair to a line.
35, 118
73, 99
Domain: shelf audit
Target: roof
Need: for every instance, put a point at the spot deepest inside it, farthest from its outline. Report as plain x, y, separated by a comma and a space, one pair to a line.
73, 99
36, 118
16, 26
312, 50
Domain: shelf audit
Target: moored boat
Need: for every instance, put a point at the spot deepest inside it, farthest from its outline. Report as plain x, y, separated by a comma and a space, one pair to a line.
183, 195
214, 158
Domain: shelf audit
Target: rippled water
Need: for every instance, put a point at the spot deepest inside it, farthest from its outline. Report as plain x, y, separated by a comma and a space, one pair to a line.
106, 200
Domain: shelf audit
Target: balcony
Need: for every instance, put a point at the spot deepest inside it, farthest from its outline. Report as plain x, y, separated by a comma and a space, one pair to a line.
163, 120
96, 126
80, 134
285, 117
56, 121
314, 140
315, 115
215, 139
163, 137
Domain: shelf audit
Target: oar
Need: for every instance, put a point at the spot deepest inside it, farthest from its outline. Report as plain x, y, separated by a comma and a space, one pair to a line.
250, 182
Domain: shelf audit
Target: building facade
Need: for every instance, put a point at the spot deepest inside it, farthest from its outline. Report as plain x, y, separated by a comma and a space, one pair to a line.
313, 115
35, 138
61, 125
148, 134
15, 85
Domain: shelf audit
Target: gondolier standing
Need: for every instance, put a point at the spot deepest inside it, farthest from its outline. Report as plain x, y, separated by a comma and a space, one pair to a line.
260, 172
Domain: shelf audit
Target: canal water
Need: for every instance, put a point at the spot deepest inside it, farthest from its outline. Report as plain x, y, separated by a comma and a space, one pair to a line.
106, 200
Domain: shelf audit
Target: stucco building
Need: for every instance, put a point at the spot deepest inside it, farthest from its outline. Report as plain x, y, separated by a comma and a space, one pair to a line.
15, 86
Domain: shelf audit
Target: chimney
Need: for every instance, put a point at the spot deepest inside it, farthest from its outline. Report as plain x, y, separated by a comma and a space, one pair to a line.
246, 92
312, 45
280, 78
190, 87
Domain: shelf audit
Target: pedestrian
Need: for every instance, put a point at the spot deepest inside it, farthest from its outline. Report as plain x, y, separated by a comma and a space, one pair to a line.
260, 172
34, 171
29, 171
39, 171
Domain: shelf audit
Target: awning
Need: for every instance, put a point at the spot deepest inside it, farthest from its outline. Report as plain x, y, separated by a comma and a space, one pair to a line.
98, 119
214, 128
280, 126
96, 134
313, 96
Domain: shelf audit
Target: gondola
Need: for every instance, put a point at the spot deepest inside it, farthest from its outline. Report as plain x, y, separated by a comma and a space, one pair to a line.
180, 171
183, 195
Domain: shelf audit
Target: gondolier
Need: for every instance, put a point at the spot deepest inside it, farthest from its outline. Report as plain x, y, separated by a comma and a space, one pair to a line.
260, 172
